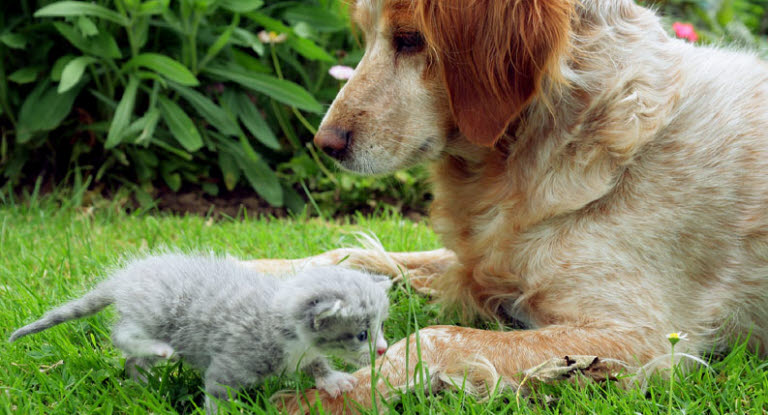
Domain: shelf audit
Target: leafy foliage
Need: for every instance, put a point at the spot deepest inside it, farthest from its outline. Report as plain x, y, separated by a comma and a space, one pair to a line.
148, 91
740, 22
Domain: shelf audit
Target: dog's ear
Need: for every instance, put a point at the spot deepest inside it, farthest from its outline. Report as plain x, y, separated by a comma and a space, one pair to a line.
493, 55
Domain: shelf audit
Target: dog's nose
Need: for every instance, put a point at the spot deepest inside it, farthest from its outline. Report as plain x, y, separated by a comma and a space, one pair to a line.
333, 141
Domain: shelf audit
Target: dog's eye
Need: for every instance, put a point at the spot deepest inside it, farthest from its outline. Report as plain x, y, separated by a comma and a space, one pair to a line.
408, 42
362, 336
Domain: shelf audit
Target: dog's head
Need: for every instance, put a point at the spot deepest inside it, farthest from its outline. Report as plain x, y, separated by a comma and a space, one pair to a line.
435, 68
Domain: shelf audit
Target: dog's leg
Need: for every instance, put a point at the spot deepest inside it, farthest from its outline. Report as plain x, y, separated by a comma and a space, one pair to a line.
479, 359
419, 267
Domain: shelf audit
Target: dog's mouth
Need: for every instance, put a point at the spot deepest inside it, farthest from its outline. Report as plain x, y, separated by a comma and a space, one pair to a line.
373, 160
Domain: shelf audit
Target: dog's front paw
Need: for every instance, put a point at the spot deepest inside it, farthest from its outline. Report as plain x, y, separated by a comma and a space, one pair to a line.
336, 383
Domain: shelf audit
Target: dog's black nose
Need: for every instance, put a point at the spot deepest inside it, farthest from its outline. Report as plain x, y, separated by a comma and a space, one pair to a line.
333, 141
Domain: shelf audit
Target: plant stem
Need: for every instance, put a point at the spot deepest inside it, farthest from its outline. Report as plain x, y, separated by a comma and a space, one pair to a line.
193, 40
302, 120
132, 40
8, 111
275, 61
671, 380
320, 164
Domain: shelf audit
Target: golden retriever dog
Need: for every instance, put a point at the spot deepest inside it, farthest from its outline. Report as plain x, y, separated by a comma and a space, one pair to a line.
595, 179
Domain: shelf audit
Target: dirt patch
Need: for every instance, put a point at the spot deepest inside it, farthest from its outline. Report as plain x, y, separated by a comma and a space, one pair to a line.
233, 204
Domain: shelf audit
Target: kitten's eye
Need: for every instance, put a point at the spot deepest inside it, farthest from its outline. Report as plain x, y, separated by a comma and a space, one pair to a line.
408, 42
362, 336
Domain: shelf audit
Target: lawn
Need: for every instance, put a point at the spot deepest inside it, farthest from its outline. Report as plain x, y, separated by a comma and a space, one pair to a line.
49, 254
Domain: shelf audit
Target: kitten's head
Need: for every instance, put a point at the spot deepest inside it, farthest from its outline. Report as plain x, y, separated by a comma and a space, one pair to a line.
341, 311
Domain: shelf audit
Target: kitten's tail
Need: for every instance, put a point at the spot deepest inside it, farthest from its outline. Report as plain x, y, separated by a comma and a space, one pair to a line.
91, 303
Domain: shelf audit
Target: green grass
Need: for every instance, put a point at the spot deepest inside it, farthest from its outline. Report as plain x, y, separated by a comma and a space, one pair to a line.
49, 254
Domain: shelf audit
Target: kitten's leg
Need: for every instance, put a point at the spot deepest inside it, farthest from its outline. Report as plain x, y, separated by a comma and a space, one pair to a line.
218, 377
137, 367
134, 341
329, 380
419, 267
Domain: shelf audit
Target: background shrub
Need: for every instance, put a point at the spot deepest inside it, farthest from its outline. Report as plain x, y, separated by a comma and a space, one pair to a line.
147, 93
151, 96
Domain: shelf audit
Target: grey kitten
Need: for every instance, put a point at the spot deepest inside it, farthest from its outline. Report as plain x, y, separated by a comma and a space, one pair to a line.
237, 324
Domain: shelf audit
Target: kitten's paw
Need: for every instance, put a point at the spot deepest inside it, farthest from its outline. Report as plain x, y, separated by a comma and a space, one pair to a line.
336, 383
163, 351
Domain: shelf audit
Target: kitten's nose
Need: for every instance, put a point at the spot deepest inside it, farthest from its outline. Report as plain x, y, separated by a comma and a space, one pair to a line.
381, 350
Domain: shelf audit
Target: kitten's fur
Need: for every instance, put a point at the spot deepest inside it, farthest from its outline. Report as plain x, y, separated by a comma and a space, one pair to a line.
239, 325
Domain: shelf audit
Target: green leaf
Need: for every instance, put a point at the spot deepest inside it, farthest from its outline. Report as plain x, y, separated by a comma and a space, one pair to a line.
211, 112
320, 19
292, 200
279, 89
229, 169
249, 63
181, 126
243, 37
210, 188
269, 23
172, 179
73, 72
123, 113
163, 65
153, 76
58, 67
253, 121
87, 27
142, 162
102, 45
726, 12
151, 119
152, 7
43, 110
139, 130
24, 75
247, 150
309, 49
13, 40
262, 179
221, 41
241, 6
79, 8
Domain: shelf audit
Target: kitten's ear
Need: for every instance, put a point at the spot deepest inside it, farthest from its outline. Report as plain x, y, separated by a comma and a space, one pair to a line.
382, 281
323, 309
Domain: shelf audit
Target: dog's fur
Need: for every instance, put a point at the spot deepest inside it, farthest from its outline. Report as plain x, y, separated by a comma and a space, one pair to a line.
594, 178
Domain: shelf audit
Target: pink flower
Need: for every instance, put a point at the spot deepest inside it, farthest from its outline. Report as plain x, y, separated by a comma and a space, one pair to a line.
341, 72
685, 31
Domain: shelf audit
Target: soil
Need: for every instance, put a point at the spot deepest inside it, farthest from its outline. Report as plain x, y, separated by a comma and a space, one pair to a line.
232, 204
